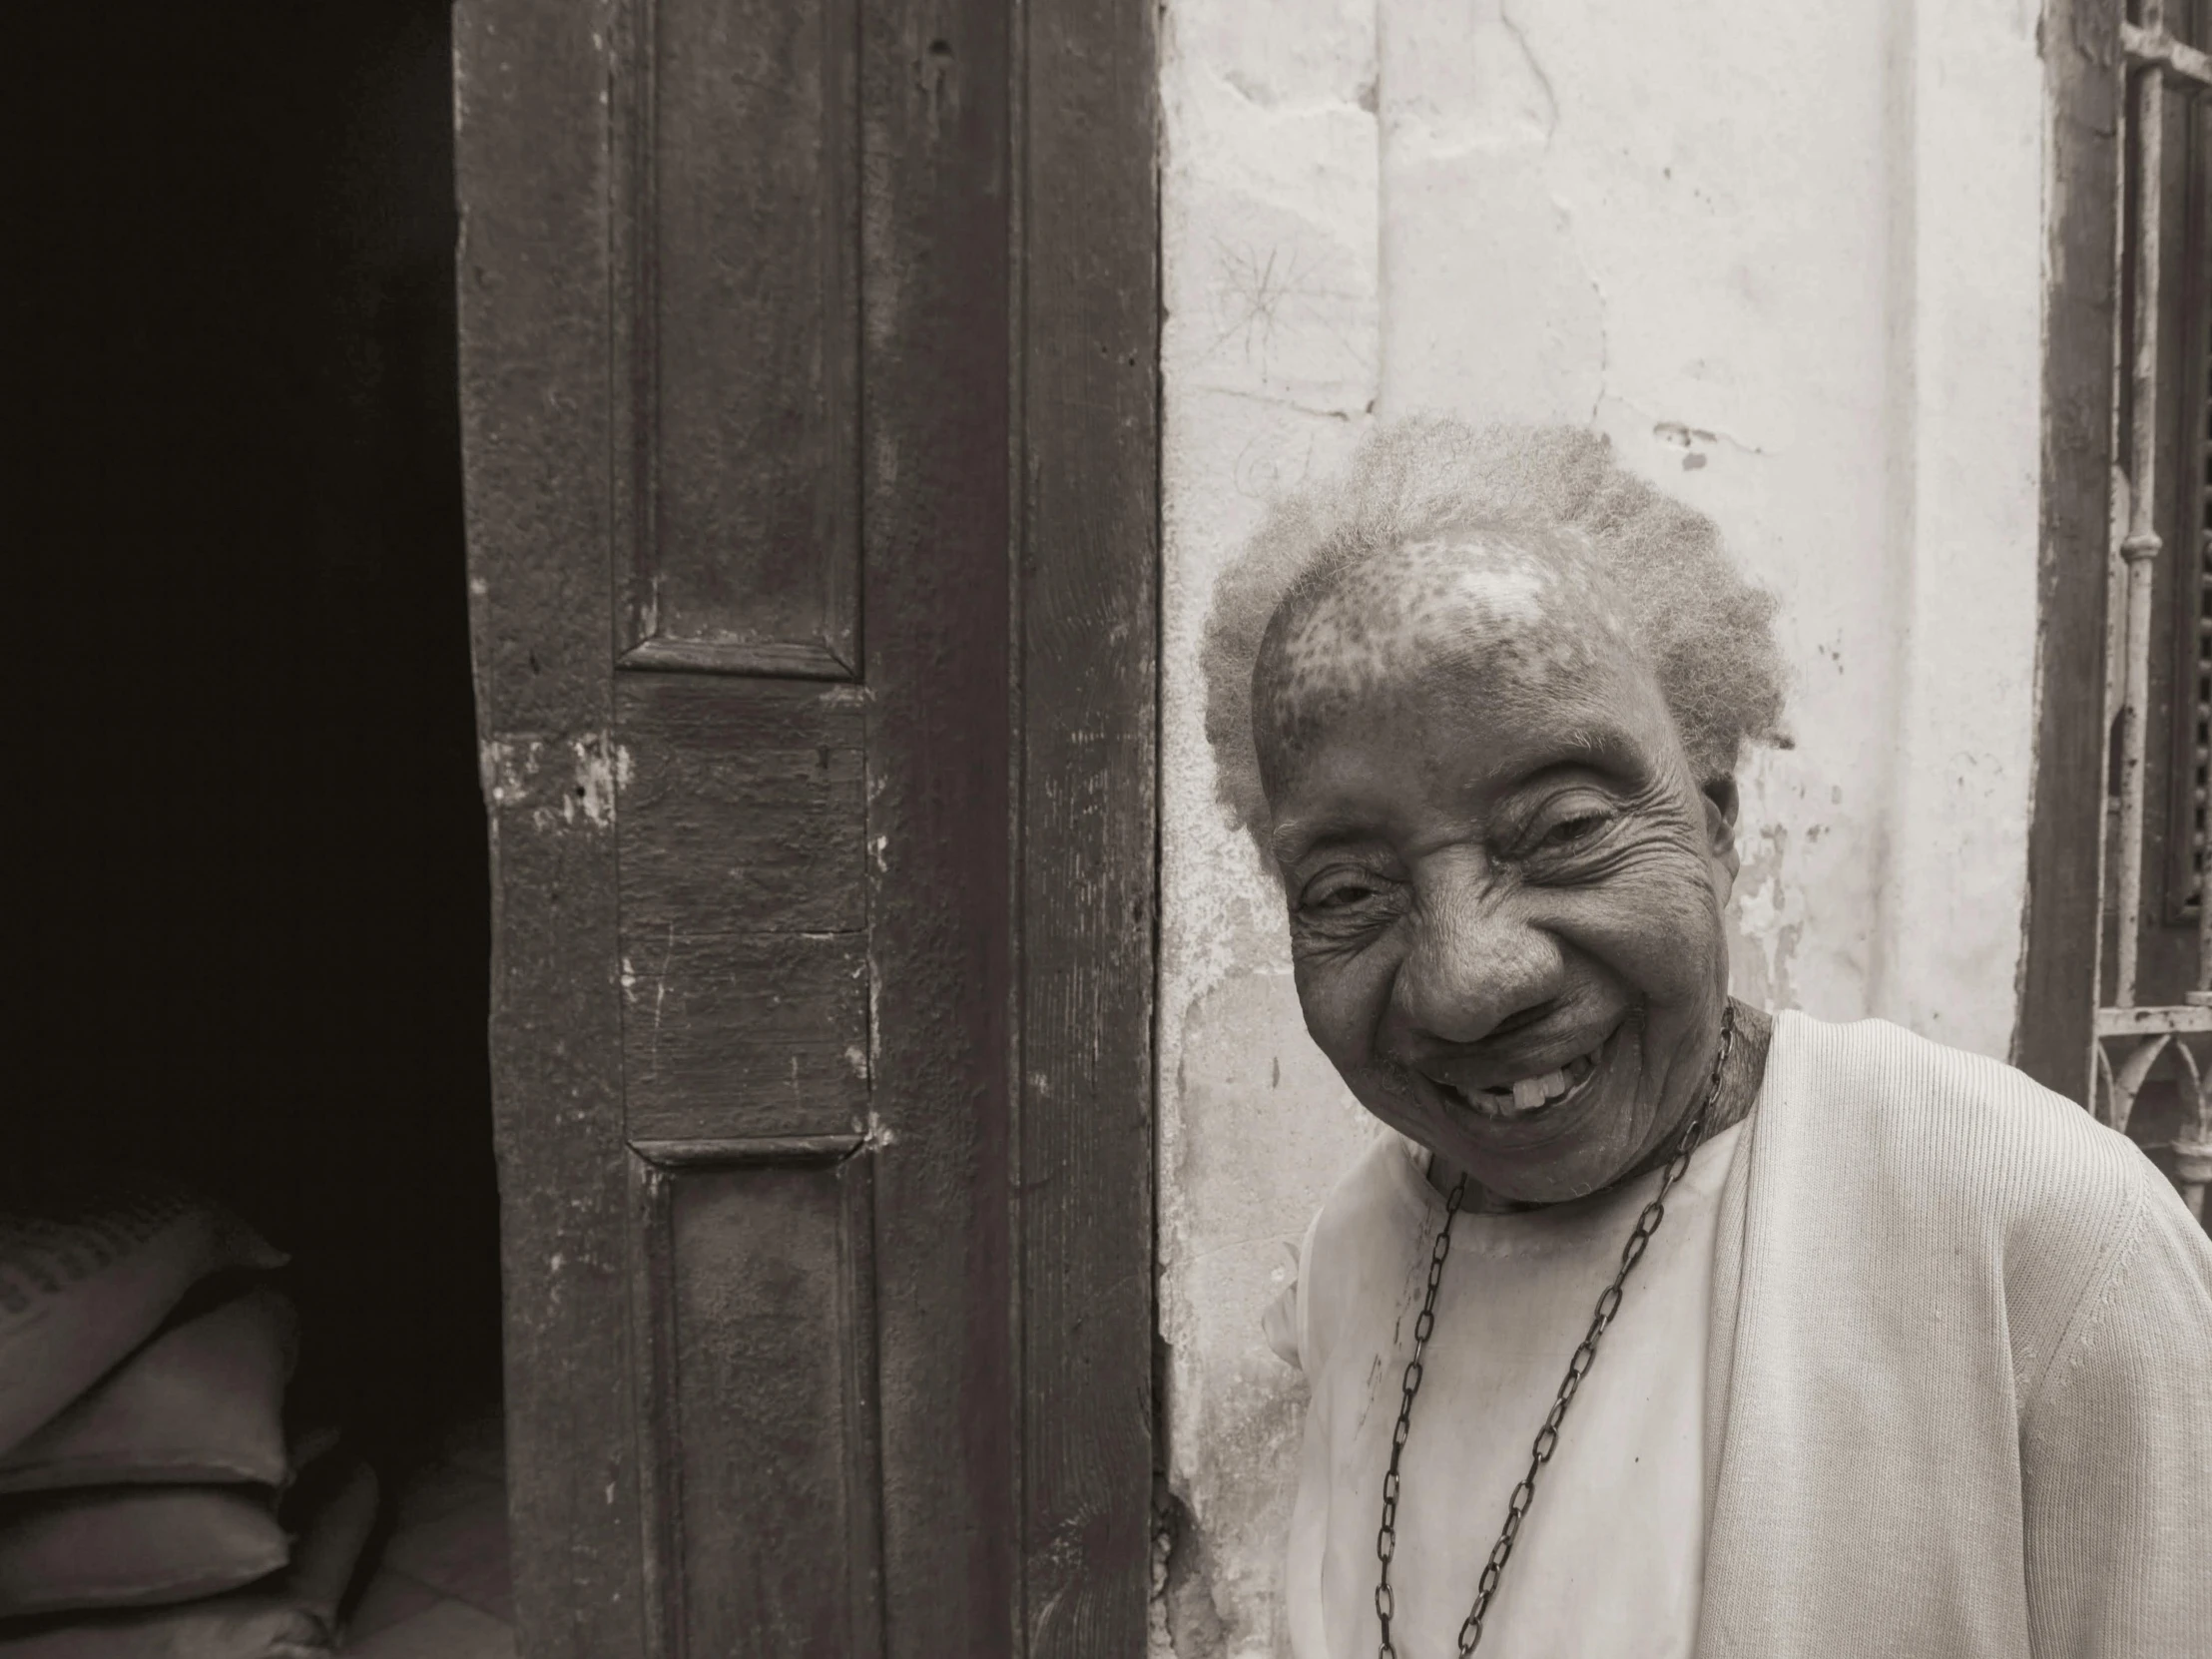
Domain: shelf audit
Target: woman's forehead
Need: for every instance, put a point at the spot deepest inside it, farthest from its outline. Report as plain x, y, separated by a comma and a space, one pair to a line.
1443, 724
1385, 769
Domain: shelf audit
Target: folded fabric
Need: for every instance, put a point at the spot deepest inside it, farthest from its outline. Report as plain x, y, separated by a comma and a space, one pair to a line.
201, 1402
89, 1268
134, 1546
294, 1616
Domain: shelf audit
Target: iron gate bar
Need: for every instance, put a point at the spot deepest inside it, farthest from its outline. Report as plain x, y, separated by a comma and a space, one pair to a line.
2152, 56
2146, 47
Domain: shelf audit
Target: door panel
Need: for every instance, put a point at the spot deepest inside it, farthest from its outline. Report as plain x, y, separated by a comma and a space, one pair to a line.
744, 906
729, 1035
741, 805
748, 336
758, 1288
822, 1016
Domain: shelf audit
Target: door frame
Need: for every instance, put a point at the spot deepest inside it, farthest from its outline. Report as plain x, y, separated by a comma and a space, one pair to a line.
1086, 601
2065, 878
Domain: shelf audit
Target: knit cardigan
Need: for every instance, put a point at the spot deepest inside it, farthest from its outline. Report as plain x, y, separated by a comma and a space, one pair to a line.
1959, 1375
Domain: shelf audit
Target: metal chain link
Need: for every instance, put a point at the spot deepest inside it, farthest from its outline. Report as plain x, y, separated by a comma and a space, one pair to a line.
1578, 1366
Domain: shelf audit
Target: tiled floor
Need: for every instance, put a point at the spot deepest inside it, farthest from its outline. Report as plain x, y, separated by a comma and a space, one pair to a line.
440, 1588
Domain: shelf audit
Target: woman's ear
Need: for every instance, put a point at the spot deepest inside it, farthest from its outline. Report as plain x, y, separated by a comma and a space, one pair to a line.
1720, 834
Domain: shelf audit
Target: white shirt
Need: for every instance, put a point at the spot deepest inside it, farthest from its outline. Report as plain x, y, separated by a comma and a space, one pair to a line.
1608, 1561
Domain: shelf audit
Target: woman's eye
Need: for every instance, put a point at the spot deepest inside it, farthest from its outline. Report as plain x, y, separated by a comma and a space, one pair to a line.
1569, 831
1347, 894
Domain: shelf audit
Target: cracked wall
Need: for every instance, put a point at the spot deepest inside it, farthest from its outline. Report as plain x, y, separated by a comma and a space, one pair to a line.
1790, 260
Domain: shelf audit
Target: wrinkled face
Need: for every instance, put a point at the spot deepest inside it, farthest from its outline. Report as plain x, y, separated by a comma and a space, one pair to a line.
1505, 887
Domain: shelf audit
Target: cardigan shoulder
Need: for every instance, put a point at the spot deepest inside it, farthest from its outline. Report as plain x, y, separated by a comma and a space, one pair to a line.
2114, 1444
1966, 1155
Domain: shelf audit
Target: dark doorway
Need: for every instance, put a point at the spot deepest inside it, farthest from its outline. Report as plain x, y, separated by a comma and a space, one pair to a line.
255, 893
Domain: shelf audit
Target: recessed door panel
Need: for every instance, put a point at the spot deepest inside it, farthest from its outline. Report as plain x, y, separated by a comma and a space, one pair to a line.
758, 1284
746, 340
744, 907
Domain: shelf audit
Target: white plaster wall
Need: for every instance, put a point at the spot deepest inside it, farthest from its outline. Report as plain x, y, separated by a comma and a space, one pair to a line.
1789, 259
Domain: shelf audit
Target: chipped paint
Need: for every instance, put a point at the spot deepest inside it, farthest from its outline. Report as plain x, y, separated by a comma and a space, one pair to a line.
513, 773
506, 768
1767, 919
601, 769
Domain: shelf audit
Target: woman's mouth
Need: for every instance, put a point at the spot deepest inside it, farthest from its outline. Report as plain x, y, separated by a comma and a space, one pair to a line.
1525, 1097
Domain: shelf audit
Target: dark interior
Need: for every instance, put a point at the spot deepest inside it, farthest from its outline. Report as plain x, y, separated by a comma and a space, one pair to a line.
256, 884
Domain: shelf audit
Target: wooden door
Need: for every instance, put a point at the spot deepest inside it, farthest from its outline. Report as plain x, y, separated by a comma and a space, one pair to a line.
808, 364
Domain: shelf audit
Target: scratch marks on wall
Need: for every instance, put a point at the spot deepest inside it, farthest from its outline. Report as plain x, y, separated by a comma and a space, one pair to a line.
1269, 297
1270, 141
1528, 57
1476, 228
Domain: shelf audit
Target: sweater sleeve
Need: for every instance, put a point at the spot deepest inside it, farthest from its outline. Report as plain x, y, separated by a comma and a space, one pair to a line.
2116, 1450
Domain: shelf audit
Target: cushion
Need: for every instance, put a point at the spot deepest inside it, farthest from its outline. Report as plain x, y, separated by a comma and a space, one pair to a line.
134, 1546
88, 1270
294, 1616
201, 1402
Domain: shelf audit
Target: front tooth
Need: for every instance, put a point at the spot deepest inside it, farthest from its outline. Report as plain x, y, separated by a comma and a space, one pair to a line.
1528, 1094
1555, 1084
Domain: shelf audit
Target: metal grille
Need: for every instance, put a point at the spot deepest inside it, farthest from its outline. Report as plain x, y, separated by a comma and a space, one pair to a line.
2132, 1038
2200, 813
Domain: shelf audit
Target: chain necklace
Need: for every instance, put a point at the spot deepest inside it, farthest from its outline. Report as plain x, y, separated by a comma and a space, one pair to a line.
1547, 1437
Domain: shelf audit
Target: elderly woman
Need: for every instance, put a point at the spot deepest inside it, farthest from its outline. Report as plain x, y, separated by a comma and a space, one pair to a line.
1871, 1345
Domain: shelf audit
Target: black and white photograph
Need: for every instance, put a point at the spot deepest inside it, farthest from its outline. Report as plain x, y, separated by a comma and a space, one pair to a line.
1111, 829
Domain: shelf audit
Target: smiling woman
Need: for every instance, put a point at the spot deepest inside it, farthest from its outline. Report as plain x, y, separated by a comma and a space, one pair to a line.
1545, 1033
1480, 703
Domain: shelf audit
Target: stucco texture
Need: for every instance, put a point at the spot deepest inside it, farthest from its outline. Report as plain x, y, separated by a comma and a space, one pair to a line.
1788, 258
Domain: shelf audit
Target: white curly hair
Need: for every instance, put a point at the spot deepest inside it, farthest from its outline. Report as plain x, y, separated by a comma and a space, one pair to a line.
1709, 631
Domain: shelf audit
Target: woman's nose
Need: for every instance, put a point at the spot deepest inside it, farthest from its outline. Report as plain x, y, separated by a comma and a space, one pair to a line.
1475, 961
